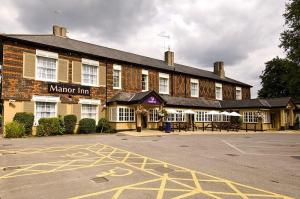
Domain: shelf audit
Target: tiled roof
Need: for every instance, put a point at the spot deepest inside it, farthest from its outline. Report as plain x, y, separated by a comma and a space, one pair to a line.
190, 102
204, 103
96, 50
256, 103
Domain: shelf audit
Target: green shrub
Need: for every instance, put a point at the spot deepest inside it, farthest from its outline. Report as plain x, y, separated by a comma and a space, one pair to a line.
87, 125
14, 130
50, 126
70, 123
26, 119
104, 126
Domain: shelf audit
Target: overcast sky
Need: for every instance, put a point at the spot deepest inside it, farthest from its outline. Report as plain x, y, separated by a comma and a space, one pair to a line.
244, 34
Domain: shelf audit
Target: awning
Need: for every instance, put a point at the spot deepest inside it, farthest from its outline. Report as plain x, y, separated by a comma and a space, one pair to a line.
213, 113
225, 113
235, 114
189, 111
171, 111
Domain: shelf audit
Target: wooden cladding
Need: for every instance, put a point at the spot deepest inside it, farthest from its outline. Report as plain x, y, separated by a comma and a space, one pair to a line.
63, 69
76, 72
102, 74
28, 107
29, 65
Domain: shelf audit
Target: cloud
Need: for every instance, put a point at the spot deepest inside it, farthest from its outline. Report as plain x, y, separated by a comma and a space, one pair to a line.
244, 34
113, 19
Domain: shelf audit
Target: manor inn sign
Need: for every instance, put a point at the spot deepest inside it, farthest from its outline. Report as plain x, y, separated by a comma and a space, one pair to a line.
70, 89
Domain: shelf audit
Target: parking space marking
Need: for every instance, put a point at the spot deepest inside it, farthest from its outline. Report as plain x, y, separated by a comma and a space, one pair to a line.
231, 145
234, 147
167, 178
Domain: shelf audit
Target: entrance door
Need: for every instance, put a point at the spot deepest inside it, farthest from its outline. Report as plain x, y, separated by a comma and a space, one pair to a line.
273, 120
144, 121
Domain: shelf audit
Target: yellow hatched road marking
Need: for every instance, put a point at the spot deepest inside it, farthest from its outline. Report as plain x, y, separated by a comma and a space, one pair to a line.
188, 185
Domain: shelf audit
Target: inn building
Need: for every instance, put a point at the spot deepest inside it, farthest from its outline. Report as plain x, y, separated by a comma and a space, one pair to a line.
52, 75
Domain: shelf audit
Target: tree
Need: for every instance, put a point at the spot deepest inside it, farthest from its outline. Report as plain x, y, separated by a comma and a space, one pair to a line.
281, 77
290, 38
274, 79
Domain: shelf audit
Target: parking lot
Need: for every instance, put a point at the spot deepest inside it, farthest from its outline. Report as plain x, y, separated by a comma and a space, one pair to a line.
175, 166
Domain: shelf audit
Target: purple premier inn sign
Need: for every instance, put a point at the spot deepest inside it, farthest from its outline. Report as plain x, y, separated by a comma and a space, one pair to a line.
152, 100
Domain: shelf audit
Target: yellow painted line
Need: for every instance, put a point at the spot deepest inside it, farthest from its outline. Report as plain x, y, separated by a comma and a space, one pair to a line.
187, 194
236, 190
107, 157
195, 179
118, 193
115, 189
161, 190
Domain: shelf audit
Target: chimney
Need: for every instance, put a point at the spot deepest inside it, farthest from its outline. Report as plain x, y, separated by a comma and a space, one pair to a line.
219, 69
59, 31
169, 57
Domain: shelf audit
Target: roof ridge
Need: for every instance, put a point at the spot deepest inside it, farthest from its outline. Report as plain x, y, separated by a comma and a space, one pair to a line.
138, 57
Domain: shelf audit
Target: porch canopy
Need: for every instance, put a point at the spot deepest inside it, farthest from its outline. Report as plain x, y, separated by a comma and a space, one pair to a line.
147, 97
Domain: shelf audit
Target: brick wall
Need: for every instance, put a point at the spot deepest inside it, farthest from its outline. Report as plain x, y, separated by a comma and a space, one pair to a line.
19, 88
14, 86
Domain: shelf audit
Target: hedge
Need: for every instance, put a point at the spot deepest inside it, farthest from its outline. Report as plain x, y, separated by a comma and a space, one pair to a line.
104, 126
14, 130
50, 126
70, 123
87, 125
26, 119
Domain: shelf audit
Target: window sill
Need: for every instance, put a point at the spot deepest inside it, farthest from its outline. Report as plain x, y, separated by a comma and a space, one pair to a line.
117, 88
46, 80
164, 93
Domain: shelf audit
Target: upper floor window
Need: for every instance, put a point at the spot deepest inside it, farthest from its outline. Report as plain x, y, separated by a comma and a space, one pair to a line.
90, 72
46, 66
194, 88
219, 91
163, 83
238, 93
116, 76
145, 80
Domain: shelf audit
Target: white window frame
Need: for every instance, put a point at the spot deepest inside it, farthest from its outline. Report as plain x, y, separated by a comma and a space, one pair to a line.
89, 62
250, 117
145, 72
267, 117
94, 102
164, 76
45, 99
97, 111
236, 91
49, 55
195, 81
118, 68
154, 114
117, 119
219, 85
202, 116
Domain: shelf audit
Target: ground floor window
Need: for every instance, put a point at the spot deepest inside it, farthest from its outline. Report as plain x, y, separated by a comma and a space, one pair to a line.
44, 110
121, 114
202, 116
249, 117
180, 116
89, 111
267, 117
153, 115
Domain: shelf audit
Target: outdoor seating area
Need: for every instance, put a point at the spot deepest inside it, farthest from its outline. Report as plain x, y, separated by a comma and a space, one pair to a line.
190, 125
